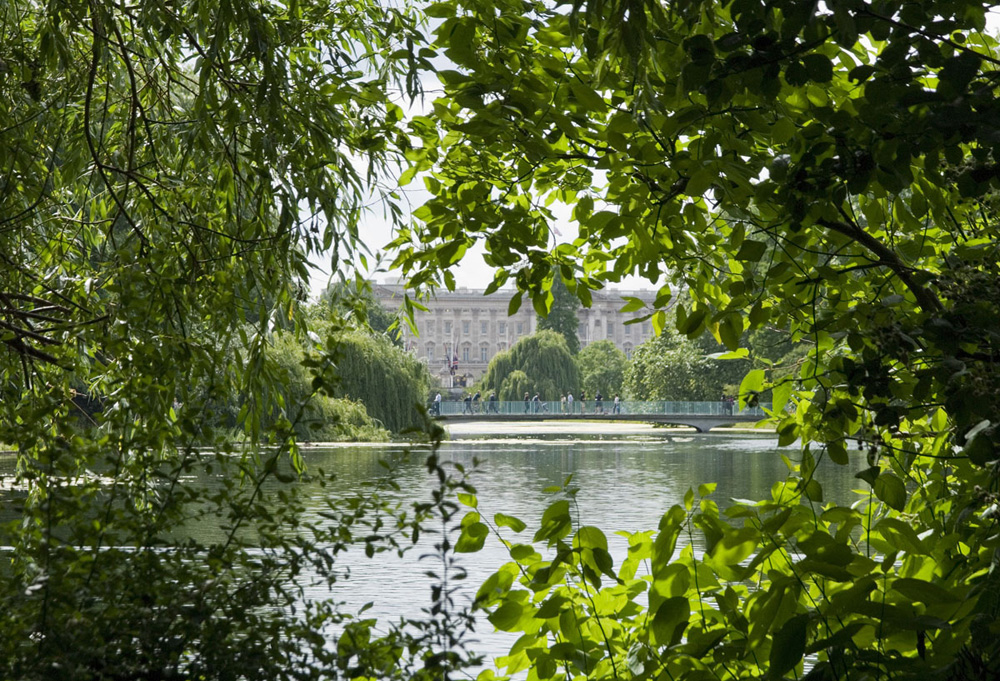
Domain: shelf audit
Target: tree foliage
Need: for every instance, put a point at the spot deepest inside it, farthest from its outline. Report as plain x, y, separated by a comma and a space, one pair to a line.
546, 363
826, 168
673, 367
368, 368
322, 418
561, 316
602, 368
166, 172
355, 300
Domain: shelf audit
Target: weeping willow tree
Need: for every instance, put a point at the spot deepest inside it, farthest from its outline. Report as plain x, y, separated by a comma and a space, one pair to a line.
515, 385
322, 418
546, 362
369, 368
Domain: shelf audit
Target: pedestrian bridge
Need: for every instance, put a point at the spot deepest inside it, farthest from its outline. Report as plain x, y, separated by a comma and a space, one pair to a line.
702, 416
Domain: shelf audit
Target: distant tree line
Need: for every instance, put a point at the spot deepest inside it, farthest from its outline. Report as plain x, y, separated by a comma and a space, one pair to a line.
669, 366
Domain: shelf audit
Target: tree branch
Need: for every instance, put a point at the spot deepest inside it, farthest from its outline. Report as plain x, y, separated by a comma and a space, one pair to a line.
925, 298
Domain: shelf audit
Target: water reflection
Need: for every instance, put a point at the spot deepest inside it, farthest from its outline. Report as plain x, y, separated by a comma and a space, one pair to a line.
627, 478
625, 483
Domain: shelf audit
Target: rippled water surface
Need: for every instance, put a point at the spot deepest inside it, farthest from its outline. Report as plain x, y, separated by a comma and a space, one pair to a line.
628, 475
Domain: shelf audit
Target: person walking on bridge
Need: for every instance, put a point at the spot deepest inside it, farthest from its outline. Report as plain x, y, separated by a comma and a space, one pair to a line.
493, 402
527, 402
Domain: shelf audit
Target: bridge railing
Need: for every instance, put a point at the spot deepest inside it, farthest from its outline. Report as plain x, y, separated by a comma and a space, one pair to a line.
541, 408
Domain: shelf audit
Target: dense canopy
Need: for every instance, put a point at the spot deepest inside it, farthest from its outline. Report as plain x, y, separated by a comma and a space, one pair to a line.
826, 170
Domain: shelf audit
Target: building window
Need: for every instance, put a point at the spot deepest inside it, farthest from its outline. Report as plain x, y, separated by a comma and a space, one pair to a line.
430, 353
628, 352
483, 352
502, 328
611, 329
484, 328
465, 354
447, 328
520, 328
628, 329
465, 328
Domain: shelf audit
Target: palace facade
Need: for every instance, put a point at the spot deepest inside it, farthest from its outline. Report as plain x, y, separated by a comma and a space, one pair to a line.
465, 328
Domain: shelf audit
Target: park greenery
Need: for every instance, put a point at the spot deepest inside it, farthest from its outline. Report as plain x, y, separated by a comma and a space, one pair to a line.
326, 418
602, 368
540, 363
673, 367
669, 367
561, 315
828, 171
166, 173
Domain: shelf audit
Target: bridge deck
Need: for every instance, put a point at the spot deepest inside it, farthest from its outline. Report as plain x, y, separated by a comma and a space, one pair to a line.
702, 416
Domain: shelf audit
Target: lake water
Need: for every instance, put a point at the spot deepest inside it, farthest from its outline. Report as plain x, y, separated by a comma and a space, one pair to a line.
628, 475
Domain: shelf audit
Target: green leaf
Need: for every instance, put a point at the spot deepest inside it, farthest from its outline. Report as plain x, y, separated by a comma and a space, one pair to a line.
700, 182
813, 491
788, 646
730, 330
507, 616
751, 251
556, 522
819, 67
669, 621
922, 591
788, 433
751, 385
632, 304
735, 546
552, 607
869, 475
503, 520
838, 452
739, 353
691, 325
590, 537
780, 393
782, 131
472, 538
586, 96
658, 320
514, 305
891, 490
980, 449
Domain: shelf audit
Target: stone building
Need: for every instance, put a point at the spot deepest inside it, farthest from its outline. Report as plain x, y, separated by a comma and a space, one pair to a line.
464, 329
